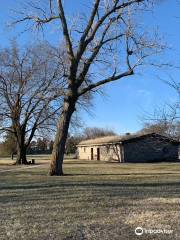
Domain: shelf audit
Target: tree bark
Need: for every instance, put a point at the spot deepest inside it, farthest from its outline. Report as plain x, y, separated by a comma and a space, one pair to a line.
56, 167
21, 155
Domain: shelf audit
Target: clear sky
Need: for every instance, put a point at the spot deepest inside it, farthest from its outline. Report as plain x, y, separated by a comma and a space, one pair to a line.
125, 101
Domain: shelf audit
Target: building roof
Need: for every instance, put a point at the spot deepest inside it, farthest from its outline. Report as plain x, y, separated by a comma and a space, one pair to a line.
121, 139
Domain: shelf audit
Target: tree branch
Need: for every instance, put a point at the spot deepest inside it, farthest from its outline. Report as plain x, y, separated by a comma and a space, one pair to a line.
114, 77
65, 31
82, 44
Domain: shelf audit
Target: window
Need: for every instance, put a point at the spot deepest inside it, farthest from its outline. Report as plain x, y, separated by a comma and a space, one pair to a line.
84, 149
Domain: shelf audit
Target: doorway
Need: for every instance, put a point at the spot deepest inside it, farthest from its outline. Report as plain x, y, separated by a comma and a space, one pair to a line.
92, 155
98, 154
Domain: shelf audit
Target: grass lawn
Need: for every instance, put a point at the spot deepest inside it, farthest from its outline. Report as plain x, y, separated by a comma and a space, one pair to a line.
93, 201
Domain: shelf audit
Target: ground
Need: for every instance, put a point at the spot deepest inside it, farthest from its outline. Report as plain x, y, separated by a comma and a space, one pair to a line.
94, 201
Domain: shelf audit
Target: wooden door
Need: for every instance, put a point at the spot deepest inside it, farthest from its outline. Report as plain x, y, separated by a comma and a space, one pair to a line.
92, 155
98, 154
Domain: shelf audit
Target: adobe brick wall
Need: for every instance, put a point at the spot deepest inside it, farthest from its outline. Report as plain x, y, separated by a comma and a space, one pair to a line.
107, 152
150, 149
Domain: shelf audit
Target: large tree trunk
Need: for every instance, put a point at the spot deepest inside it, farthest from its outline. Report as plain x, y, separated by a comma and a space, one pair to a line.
56, 167
21, 155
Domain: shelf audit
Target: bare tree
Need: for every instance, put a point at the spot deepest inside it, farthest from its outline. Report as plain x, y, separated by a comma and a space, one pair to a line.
165, 120
95, 132
88, 133
106, 45
30, 92
162, 126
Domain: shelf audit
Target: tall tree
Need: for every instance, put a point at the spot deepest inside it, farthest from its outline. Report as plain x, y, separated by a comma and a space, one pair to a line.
106, 44
29, 88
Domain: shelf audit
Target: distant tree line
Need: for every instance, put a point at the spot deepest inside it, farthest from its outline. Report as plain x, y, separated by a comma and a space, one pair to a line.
45, 146
40, 146
8, 147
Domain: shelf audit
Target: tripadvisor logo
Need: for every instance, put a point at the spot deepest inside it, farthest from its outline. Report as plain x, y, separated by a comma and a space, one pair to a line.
139, 231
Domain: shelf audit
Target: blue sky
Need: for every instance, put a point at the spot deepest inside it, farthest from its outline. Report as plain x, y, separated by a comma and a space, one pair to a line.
125, 101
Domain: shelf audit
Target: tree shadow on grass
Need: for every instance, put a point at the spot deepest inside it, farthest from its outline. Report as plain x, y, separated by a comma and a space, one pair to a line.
121, 174
87, 192
104, 184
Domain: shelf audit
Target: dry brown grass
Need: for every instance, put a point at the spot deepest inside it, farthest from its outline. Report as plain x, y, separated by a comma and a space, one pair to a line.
93, 201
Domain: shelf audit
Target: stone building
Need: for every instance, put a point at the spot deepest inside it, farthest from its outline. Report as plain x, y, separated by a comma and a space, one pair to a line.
130, 148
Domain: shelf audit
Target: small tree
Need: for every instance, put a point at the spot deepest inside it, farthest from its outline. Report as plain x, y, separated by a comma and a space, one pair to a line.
71, 144
8, 146
106, 44
51, 146
41, 145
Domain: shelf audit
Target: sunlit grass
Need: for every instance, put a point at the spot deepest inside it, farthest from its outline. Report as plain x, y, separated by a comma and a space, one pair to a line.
94, 200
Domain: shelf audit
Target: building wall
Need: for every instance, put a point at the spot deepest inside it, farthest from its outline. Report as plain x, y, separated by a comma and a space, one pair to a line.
107, 152
146, 149
84, 153
150, 149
